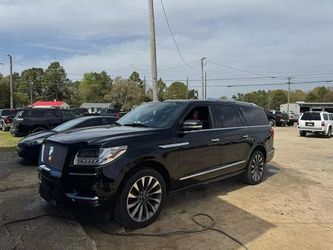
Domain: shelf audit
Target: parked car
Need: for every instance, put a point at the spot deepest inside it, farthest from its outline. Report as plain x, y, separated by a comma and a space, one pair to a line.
29, 147
6, 118
81, 111
157, 148
32, 120
316, 122
277, 118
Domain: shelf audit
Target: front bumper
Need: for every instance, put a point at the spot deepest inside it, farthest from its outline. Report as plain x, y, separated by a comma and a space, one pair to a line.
75, 189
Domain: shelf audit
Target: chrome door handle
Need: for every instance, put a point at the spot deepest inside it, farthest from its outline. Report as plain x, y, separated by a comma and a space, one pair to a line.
215, 140
245, 136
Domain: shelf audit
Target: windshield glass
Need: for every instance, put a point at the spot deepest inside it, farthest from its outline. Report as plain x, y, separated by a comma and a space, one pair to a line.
311, 116
153, 114
69, 125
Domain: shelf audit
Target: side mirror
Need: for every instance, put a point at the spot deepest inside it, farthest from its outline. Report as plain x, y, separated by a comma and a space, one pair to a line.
191, 125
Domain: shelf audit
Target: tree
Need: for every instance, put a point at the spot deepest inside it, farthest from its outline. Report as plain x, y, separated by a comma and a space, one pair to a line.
31, 83
279, 97
125, 94
297, 95
56, 82
4, 92
94, 86
177, 90
135, 77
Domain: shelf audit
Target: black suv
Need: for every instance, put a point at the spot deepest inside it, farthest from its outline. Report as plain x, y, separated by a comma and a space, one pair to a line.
157, 148
32, 120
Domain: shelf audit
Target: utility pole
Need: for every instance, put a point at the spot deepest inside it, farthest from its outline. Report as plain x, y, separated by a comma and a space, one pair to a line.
205, 84
288, 94
202, 78
144, 84
186, 87
153, 49
11, 81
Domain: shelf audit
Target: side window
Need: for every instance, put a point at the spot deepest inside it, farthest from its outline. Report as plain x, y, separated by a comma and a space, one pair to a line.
325, 117
50, 114
255, 115
331, 117
200, 113
109, 121
227, 116
90, 123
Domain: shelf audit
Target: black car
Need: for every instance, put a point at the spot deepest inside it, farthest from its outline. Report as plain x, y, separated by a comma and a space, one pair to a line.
157, 148
28, 148
32, 120
6, 118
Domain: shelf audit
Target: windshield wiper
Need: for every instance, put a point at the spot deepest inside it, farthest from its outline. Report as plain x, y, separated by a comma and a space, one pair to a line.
135, 125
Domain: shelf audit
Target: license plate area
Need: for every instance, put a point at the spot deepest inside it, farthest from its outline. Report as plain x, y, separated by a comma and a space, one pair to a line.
310, 124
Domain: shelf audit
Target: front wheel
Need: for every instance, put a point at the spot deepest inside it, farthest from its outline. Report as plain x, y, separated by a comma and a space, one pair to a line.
302, 133
329, 132
141, 199
255, 168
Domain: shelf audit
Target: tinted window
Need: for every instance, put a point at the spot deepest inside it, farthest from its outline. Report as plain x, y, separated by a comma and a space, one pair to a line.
91, 123
325, 117
68, 114
36, 113
8, 112
51, 114
255, 115
330, 116
311, 116
200, 113
227, 116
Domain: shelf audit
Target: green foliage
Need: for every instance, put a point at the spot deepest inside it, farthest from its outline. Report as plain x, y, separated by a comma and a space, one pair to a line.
94, 86
4, 92
177, 90
125, 94
135, 77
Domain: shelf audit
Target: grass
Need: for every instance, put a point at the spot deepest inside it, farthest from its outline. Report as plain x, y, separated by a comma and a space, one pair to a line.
8, 142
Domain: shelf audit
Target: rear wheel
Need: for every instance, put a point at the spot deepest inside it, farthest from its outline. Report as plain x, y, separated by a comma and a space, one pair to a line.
255, 168
302, 133
272, 122
329, 132
141, 199
3, 127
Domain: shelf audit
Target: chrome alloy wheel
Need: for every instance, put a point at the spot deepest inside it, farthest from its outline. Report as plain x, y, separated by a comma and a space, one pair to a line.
144, 198
257, 167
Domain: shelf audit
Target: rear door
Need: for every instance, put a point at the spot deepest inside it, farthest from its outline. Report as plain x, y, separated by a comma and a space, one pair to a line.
310, 120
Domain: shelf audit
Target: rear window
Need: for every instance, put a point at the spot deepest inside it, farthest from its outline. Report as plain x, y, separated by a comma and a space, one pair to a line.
311, 116
32, 113
255, 116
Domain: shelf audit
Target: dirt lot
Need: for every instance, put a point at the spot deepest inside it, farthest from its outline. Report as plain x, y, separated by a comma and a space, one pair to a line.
291, 209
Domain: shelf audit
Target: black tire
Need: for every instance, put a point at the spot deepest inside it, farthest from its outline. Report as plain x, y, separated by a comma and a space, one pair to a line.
302, 133
329, 133
38, 129
255, 168
272, 122
131, 203
3, 128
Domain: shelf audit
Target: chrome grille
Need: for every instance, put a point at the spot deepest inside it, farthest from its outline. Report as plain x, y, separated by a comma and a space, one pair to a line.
55, 155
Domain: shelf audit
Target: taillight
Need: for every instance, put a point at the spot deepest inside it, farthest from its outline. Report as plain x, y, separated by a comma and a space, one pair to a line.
323, 124
271, 130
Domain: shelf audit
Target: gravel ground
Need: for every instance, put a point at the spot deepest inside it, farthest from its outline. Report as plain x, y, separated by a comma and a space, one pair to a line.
291, 209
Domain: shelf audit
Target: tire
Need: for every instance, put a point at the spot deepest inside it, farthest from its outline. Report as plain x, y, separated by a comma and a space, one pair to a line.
255, 168
135, 209
302, 133
329, 133
272, 122
38, 129
3, 128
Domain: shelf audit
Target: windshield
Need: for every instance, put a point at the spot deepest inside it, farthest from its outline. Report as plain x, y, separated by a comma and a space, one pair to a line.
311, 116
69, 125
153, 114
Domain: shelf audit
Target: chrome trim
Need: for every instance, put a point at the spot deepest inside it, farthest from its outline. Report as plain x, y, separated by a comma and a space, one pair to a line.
43, 167
74, 196
215, 129
272, 151
83, 174
215, 140
212, 170
173, 145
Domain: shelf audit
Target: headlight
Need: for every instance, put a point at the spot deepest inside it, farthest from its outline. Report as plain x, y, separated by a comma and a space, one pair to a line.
36, 142
98, 157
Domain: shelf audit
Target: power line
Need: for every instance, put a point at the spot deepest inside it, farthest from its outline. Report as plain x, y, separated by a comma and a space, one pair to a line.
173, 37
237, 69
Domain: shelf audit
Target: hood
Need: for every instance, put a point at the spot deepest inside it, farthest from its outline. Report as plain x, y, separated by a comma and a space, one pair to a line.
100, 135
36, 136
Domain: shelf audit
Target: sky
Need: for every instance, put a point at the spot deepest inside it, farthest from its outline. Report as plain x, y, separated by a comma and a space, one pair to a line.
244, 42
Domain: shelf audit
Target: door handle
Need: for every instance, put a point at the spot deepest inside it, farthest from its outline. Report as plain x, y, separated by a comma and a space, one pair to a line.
245, 136
215, 140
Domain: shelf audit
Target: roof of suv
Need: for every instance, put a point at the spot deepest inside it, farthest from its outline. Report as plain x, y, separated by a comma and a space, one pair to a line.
211, 100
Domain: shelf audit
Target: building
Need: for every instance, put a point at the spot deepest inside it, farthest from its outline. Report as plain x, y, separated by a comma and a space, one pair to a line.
95, 107
50, 104
301, 107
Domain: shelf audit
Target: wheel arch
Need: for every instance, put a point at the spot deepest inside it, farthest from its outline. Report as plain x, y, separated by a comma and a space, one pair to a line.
261, 148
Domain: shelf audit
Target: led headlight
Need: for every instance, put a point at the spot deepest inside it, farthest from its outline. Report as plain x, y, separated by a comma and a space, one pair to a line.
98, 157
36, 142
